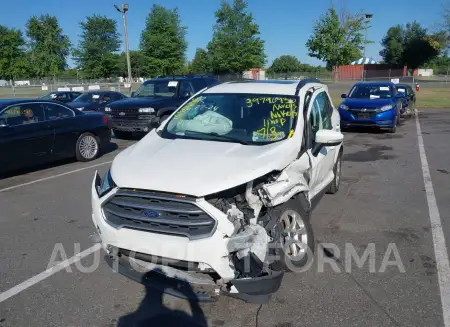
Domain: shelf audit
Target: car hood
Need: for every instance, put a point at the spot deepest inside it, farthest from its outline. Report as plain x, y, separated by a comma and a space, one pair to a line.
135, 102
196, 167
366, 103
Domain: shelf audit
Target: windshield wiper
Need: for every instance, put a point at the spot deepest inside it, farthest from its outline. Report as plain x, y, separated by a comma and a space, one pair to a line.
223, 137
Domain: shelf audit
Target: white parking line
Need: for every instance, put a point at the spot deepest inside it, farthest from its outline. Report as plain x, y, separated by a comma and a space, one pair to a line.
47, 273
440, 248
52, 177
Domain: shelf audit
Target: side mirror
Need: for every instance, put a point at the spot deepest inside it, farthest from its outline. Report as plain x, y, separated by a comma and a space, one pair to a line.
132, 94
326, 137
343, 95
3, 122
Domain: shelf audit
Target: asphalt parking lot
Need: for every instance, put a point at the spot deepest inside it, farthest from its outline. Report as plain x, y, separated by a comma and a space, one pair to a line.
382, 201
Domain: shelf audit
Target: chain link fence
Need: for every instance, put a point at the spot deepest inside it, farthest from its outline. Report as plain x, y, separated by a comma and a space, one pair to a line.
34, 88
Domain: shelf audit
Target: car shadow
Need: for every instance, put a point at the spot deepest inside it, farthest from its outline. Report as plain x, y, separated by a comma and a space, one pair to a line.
111, 147
152, 312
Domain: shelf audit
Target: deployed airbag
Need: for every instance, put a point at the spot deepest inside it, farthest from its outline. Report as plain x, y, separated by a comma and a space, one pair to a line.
208, 122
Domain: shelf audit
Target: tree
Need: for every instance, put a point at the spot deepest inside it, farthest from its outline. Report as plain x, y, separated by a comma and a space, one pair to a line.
138, 64
96, 54
392, 42
12, 53
49, 47
201, 62
411, 45
337, 42
285, 64
163, 41
235, 46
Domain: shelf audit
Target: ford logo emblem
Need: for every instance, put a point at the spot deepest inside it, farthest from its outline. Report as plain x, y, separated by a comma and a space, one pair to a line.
121, 114
151, 213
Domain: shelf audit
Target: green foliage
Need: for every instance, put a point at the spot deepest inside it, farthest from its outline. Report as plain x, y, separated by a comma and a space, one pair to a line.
13, 63
49, 47
335, 42
138, 64
201, 62
96, 52
411, 45
163, 41
235, 46
285, 64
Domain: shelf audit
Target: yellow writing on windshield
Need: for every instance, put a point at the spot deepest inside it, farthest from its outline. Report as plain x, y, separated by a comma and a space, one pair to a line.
270, 100
180, 113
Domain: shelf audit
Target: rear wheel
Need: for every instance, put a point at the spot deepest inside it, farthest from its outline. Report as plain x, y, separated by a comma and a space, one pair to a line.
122, 134
87, 147
293, 237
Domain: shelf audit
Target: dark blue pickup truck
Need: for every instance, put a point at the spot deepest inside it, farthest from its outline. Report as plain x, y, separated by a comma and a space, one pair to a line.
153, 102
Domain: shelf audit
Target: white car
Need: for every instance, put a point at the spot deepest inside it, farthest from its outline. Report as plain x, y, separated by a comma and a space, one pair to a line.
218, 199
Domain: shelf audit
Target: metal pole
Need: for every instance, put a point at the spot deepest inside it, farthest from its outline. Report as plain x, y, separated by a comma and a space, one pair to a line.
126, 47
365, 42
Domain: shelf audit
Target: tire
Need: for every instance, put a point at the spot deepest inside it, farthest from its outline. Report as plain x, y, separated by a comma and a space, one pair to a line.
284, 241
122, 134
393, 129
334, 187
87, 147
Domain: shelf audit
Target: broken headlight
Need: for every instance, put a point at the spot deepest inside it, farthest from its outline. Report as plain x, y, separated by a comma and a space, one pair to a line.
106, 185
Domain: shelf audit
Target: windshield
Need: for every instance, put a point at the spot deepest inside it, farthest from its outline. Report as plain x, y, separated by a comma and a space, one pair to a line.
88, 97
371, 92
156, 89
240, 118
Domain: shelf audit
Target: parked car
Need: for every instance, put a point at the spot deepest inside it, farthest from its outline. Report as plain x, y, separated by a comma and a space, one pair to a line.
95, 100
38, 131
153, 102
409, 101
220, 195
61, 96
374, 104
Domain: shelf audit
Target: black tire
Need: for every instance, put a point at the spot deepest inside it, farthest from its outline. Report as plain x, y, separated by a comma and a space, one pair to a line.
87, 147
122, 134
334, 186
281, 247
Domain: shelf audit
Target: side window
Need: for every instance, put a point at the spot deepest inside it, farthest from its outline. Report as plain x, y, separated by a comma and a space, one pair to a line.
323, 104
185, 87
54, 111
115, 96
26, 113
74, 95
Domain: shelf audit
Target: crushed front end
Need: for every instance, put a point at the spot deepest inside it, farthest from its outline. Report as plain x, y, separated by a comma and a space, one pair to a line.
193, 248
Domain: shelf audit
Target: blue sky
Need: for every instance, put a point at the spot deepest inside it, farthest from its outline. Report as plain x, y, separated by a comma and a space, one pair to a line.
285, 25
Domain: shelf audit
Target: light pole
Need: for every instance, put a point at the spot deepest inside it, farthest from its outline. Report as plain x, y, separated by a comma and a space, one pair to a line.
368, 17
124, 16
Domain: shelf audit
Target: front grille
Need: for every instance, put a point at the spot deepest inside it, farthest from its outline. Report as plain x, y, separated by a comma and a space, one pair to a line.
128, 113
158, 213
368, 113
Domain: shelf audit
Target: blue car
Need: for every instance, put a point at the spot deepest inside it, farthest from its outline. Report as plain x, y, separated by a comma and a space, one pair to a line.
95, 100
372, 104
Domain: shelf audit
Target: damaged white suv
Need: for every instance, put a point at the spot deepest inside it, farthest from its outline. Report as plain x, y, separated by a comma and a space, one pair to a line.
218, 199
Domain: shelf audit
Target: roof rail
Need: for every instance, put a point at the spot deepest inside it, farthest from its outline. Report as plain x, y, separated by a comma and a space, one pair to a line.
305, 81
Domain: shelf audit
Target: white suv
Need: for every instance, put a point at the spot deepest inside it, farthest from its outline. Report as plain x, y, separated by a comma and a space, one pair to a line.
218, 199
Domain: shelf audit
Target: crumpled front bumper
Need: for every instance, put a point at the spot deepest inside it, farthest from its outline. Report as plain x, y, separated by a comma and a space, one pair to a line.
207, 255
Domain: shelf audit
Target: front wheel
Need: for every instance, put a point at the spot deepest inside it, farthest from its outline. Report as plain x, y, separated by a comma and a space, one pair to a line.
87, 147
293, 238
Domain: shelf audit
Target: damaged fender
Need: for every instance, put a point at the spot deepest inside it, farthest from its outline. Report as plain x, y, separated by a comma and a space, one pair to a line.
292, 180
